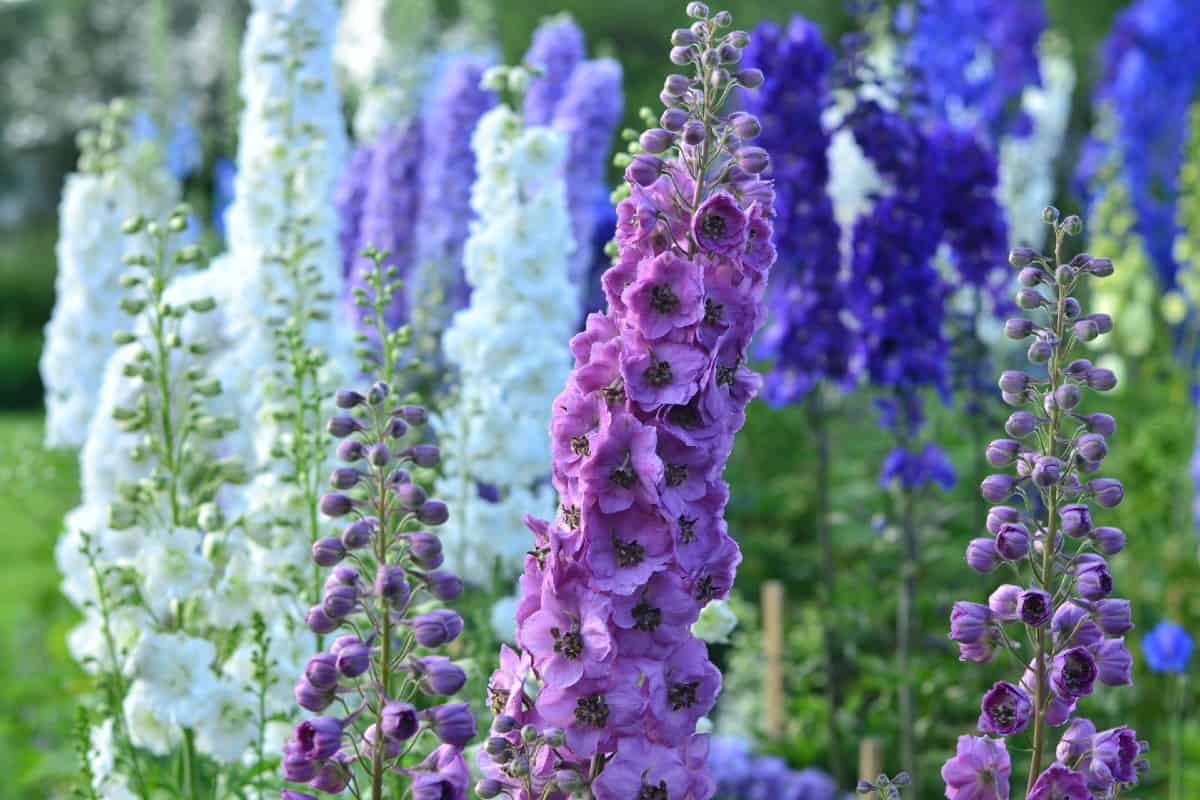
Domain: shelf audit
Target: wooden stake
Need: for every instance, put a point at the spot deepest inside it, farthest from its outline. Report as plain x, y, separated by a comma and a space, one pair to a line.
773, 636
870, 759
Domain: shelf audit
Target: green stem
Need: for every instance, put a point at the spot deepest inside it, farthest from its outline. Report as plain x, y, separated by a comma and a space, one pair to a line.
904, 615
189, 755
1048, 548
1175, 778
385, 617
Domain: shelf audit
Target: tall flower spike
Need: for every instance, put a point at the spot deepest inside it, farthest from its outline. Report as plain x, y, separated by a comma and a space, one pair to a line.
556, 50
381, 607
806, 335
117, 178
507, 345
640, 436
1076, 629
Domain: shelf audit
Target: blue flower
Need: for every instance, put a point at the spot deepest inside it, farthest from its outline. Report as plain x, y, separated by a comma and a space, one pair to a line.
1168, 648
224, 176
556, 49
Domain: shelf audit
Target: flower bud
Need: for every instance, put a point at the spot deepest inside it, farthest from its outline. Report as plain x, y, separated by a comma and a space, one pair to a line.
433, 512
437, 627
1002, 452
300, 769
348, 398
644, 169
1092, 447
1100, 267
1113, 616
391, 583
1075, 520
445, 586
673, 119
1021, 256
681, 55
753, 159
344, 478
453, 723
1012, 542
354, 659
998, 488
350, 450
327, 552
1003, 602
342, 426
1072, 225
1108, 492
1035, 607
745, 126
982, 555
357, 534
694, 133
399, 720
424, 455
379, 455
729, 53
437, 675
676, 85
336, 504
310, 697
488, 788
999, 516
377, 393
411, 495
1020, 424
1050, 215
1066, 396
333, 778
750, 78
1030, 276
1013, 381
683, 37
1101, 379
710, 58
1085, 330
1092, 578
1047, 471
339, 601
723, 19
697, 10
1039, 351
1100, 423
1064, 275
1030, 299
319, 622
656, 140
1109, 541
321, 672
1018, 328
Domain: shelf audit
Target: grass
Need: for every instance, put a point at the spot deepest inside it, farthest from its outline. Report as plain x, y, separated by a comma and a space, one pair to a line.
37, 676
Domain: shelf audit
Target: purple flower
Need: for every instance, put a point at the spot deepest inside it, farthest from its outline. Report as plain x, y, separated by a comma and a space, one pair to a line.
642, 769
452, 723
1035, 607
663, 373
719, 225
436, 628
627, 547
666, 295
980, 770
318, 738
683, 690
624, 467
1005, 709
1073, 672
1076, 741
595, 711
1114, 664
982, 555
443, 775
1113, 616
1060, 783
557, 48
438, 675
569, 634
1114, 756
969, 622
1003, 602
654, 619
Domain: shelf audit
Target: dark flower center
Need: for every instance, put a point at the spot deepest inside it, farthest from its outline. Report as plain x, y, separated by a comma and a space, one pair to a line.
685, 416
629, 554
646, 617
571, 517
580, 445
705, 590
569, 644
1004, 715
614, 393
663, 299
676, 474
623, 476
682, 695
499, 698
713, 312
659, 792
687, 529
1078, 672
725, 375
658, 374
713, 225
592, 710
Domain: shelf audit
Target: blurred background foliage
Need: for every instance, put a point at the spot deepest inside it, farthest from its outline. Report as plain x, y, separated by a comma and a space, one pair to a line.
58, 57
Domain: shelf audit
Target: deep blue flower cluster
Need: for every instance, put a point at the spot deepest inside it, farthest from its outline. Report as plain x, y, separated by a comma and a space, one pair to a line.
977, 56
1153, 51
807, 334
557, 48
740, 774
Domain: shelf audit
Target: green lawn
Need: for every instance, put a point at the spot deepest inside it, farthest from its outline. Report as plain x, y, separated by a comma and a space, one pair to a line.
37, 677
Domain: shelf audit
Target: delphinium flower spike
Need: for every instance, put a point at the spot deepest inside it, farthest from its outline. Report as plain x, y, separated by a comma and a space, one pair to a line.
640, 436
1058, 620
118, 176
382, 607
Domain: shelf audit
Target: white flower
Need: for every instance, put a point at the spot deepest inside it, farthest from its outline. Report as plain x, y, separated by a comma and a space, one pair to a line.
717, 621
229, 725
173, 567
150, 725
87, 643
175, 671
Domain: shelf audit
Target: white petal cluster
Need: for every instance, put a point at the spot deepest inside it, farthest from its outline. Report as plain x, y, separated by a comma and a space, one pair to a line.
78, 337
1027, 163
508, 345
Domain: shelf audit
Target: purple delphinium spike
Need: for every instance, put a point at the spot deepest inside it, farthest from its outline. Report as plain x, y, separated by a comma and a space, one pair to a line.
640, 437
557, 49
588, 113
376, 611
350, 193
388, 217
444, 215
1076, 630
806, 334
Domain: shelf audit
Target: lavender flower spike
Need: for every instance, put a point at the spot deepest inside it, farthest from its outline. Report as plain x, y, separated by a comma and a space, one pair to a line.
374, 597
640, 436
1076, 630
